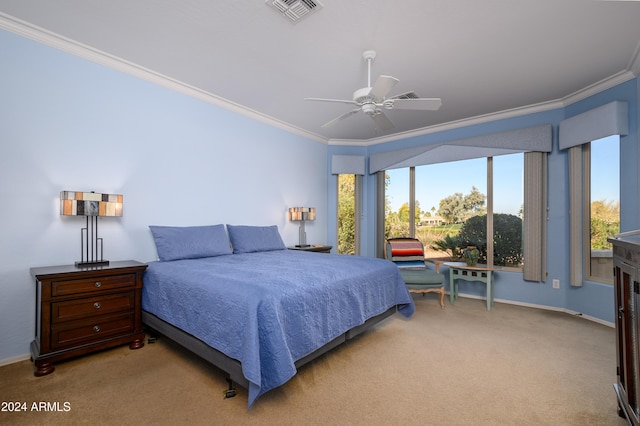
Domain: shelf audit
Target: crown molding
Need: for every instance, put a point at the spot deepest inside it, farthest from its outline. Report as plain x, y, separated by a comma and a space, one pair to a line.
480, 119
41, 35
89, 53
634, 63
598, 87
579, 95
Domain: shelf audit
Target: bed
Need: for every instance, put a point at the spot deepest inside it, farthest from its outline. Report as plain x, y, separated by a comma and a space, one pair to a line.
256, 310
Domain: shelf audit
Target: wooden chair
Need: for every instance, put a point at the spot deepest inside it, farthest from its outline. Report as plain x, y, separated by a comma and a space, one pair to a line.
408, 254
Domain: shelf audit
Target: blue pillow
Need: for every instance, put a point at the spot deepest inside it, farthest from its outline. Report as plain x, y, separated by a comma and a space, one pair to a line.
190, 242
249, 239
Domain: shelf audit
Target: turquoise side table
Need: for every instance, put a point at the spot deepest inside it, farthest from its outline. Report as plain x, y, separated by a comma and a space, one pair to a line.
461, 271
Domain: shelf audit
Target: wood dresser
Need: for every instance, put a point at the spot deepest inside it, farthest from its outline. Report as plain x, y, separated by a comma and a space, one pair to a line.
626, 266
83, 310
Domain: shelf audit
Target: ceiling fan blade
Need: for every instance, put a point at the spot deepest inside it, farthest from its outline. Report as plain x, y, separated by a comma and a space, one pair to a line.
342, 101
382, 121
342, 117
422, 104
383, 86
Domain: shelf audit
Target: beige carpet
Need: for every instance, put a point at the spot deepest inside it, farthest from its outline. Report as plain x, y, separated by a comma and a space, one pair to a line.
459, 366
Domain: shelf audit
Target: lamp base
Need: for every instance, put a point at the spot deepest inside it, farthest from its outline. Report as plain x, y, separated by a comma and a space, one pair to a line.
303, 245
92, 263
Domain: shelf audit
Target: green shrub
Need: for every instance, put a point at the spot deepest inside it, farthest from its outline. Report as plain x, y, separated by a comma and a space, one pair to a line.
507, 239
450, 245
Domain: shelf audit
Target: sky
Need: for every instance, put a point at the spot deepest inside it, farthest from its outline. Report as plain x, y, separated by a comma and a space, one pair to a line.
605, 169
437, 181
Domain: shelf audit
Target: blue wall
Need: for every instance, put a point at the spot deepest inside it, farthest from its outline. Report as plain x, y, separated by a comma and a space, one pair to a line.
592, 299
70, 124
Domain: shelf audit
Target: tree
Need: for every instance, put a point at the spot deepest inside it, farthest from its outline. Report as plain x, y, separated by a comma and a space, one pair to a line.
457, 208
346, 214
473, 203
390, 220
395, 227
605, 222
403, 213
451, 208
418, 212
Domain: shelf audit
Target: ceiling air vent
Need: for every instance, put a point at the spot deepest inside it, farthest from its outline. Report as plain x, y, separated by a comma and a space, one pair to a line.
294, 10
408, 95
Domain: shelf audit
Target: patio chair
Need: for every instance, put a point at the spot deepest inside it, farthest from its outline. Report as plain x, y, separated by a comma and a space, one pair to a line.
408, 255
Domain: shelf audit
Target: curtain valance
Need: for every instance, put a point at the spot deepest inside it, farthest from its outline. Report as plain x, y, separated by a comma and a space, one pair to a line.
347, 164
536, 138
607, 120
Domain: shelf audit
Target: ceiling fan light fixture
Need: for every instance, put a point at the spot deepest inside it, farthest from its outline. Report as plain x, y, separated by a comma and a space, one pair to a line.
294, 10
369, 109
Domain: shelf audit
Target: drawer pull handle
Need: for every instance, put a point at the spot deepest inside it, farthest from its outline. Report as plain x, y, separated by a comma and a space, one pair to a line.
97, 305
98, 284
96, 328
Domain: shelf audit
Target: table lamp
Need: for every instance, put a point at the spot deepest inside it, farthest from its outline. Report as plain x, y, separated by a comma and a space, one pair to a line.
92, 205
302, 214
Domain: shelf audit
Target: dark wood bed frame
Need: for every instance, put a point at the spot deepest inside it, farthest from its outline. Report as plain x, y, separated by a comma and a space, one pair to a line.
232, 367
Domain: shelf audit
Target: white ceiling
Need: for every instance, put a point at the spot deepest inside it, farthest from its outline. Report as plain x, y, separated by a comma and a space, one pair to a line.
484, 58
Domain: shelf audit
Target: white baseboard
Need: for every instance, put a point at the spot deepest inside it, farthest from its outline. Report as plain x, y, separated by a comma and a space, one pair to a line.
14, 359
545, 307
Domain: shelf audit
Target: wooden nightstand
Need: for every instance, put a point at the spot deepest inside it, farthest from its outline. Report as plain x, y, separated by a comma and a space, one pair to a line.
317, 248
83, 310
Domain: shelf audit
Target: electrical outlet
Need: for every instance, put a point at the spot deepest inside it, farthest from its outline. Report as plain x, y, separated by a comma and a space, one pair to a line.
556, 283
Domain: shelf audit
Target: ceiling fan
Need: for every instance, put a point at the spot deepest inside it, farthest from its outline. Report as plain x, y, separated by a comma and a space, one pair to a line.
372, 99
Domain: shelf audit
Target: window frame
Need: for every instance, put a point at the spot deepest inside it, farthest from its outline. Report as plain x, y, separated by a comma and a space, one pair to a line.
489, 205
586, 218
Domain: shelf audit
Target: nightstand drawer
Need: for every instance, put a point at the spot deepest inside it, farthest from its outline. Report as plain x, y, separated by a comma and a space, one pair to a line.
76, 333
92, 306
67, 287
80, 310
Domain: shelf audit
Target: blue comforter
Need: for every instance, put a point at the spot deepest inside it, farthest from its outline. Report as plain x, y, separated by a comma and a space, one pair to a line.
269, 309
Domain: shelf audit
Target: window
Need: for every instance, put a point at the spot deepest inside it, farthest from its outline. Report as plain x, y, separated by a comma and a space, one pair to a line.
533, 142
456, 203
349, 211
448, 195
601, 159
348, 170
396, 206
508, 210
582, 136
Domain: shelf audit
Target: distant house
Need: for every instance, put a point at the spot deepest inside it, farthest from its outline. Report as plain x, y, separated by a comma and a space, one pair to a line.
431, 221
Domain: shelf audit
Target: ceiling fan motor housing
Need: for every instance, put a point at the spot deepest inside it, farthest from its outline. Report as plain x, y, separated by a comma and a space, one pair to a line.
362, 96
